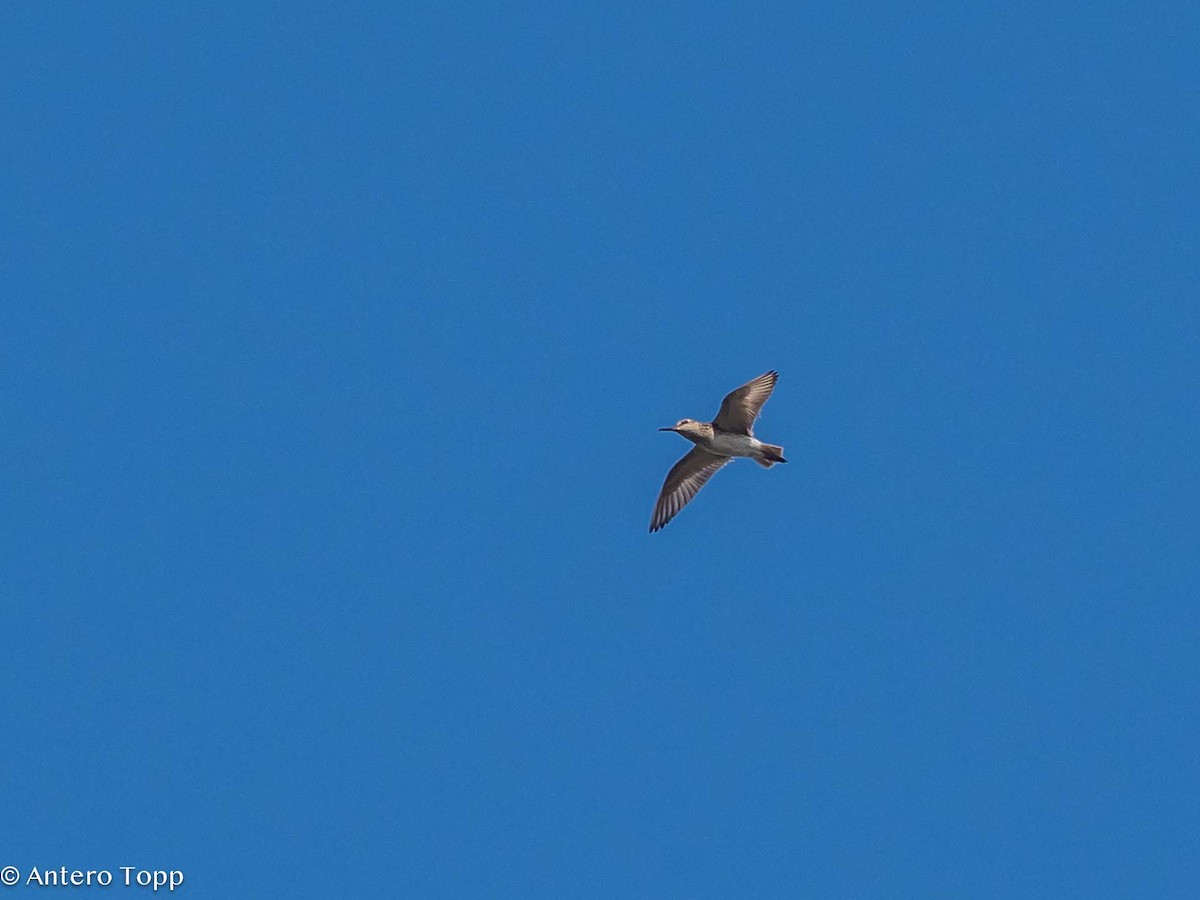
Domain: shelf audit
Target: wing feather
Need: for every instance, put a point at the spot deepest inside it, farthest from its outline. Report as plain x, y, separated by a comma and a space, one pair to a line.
683, 482
741, 407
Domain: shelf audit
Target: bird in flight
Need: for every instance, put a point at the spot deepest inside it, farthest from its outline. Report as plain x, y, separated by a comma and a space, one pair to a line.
717, 442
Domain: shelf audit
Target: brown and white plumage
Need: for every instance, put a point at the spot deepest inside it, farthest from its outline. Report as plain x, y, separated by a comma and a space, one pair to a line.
717, 442
740, 408
683, 483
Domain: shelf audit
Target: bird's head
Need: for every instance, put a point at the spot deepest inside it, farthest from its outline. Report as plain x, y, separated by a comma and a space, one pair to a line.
684, 426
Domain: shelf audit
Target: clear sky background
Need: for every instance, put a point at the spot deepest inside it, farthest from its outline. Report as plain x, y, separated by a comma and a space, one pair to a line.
334, 342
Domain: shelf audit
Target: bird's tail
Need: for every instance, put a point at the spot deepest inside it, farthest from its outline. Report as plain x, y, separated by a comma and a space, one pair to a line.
771, 454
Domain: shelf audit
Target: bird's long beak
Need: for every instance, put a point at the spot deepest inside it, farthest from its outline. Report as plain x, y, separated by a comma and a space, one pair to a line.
672, 428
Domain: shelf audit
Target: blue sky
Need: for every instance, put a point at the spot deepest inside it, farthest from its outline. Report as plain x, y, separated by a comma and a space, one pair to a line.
335, 343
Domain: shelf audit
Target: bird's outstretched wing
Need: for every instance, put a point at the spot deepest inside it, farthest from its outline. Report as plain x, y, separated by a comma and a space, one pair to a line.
741, 407
683, 482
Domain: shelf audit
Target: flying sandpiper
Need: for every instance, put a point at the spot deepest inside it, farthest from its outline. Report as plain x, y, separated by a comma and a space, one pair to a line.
717, 442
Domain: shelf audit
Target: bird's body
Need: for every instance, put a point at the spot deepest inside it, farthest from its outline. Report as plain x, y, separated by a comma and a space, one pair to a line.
717, 442
725, 443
